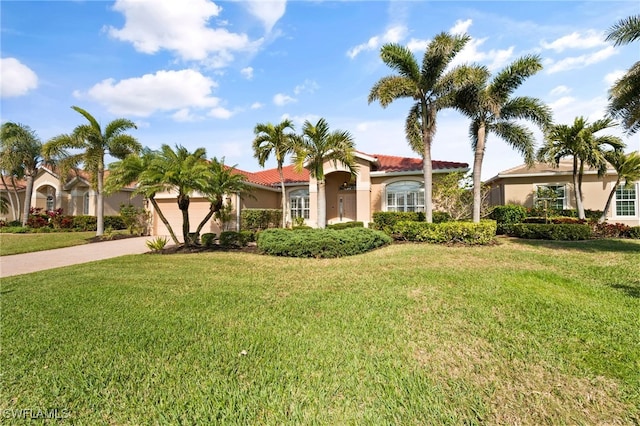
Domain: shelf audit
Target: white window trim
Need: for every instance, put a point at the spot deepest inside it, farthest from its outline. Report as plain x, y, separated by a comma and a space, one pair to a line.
307, 206
385, 205
614, 209
547, 184
86, 203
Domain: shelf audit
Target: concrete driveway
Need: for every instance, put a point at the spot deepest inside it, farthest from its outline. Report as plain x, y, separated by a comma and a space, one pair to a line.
17, 264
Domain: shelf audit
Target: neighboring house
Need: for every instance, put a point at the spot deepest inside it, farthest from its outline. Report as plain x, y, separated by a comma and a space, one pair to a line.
73, 194
519, 186
383, 183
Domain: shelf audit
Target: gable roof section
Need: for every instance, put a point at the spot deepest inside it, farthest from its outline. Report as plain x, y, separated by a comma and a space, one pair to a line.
271, 177
565, 167
390, 163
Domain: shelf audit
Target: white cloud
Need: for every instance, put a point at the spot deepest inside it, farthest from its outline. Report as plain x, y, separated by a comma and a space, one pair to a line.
461, 27
582, 61
418, 45
183, 115
308, 86
221, 113
493, 59
154, 25
17, 78
281, 99
268, 12
394, 34
299, 120
559, 90
576, 40
162, 91
247, 73
257, 105
613, 77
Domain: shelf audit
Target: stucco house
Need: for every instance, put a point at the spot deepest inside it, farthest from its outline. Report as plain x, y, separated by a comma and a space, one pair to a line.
73, 194
383, 183
519, 185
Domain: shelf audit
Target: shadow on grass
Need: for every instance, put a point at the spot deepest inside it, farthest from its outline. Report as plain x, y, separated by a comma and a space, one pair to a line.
589, 246
630, 290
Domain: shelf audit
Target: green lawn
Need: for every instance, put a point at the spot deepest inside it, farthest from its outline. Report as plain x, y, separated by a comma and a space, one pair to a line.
27, 243
517, 333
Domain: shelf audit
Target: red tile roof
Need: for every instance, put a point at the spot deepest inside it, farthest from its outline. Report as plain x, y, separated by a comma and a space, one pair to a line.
390, 163
385, 163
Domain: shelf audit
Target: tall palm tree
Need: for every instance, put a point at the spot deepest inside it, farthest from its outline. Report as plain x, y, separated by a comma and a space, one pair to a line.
317, 145
581, 144
628, 169
278, 141
222, 181
624, 95
21, 147
430, 86
492, 109
132, 170
93, 144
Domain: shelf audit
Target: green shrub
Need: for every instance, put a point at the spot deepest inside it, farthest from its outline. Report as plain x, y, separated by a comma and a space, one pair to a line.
246, 237
440, 217
508, 215
542, 231
345, 225
136, 219
114, 222
634, 232
157, 244
15, 229
14, 223
384, 221
258, 219
85, 223
320, 243
208, 240
446, 232
230, 239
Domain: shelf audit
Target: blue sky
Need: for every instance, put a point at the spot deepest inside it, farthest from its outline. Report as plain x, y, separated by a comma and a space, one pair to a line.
203, 74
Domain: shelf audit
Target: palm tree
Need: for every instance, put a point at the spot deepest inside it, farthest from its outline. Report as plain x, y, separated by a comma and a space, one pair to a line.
222, 181
317, 145
624, 96
93, 144
21, 149
491, 109
628, 169
132, 170
580, 143
430, 86
275, 140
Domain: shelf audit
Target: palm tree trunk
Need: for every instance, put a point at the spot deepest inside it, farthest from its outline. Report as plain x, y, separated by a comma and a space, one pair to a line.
28, 191
164, 220
213, 208
576, 189
581, 214
322, 205
100, 200
427, 164
609, 199
477, 172
183, 205
284, 197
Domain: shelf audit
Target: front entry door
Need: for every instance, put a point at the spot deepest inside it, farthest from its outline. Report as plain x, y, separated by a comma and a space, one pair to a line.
347, 206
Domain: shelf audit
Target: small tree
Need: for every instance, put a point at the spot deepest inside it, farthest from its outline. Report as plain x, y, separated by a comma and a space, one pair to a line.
545, 200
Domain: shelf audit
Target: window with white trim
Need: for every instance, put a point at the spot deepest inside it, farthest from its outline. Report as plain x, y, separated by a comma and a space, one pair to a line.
554, 196
299, 202
50, 203
627, 200
405, 196
85, 205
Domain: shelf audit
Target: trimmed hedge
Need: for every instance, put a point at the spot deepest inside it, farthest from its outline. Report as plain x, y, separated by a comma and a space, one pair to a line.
447, 232
346, 225
508, 215
258, 219
320, 243
563, 232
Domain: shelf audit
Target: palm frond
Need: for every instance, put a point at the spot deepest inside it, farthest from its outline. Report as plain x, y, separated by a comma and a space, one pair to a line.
518, 136
624, 31
511, 77
401, 59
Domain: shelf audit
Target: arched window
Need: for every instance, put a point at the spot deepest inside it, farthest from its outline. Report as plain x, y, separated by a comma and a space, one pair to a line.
299, 202
85, 205
405, 196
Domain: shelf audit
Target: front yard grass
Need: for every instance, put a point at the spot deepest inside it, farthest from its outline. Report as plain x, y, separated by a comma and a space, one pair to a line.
515, 333
30, 242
